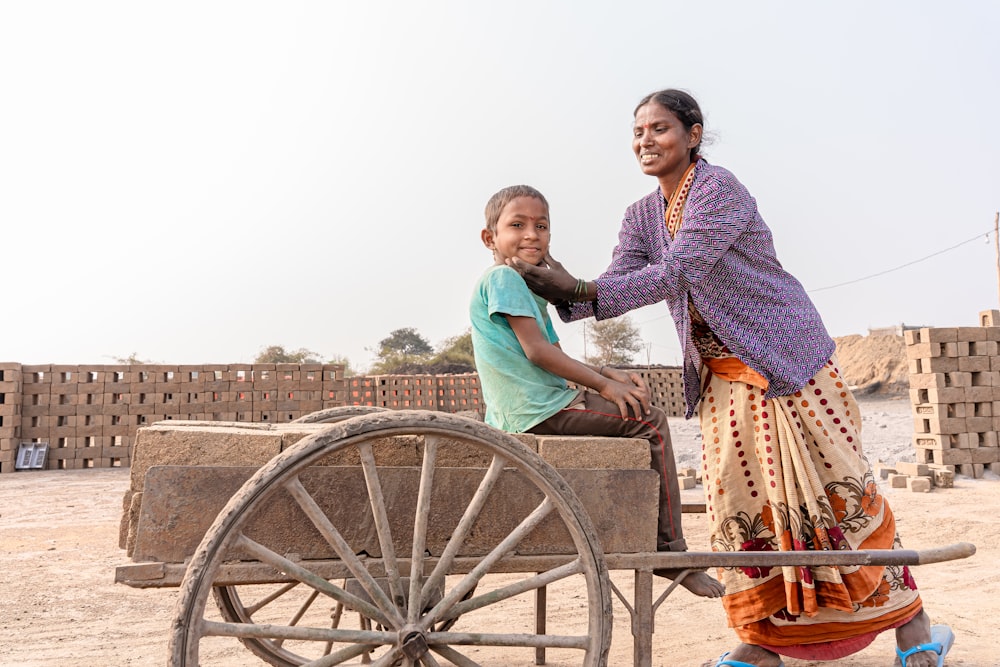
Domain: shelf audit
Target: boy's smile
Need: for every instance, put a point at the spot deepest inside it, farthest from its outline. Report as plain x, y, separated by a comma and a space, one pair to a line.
522, 232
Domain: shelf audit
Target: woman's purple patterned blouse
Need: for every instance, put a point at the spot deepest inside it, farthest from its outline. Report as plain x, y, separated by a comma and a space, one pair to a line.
723, 260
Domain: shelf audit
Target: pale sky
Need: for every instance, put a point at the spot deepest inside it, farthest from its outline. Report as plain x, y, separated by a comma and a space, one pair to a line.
194, 181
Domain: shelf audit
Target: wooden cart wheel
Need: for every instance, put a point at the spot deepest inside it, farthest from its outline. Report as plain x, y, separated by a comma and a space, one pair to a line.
338, 414
438, 577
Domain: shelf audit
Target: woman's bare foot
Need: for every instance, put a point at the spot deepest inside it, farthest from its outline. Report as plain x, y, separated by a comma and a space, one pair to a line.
916, 631
748, 653
696, 581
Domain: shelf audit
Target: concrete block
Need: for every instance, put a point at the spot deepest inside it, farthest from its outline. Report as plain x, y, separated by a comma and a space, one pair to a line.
943, 477
970, 334
943, 425
978, 424
920, 396
985, 454
989, 318
919, 484
200, 445
924, 350
935, 365
912, 469
897, 481
940, 410
686, 483
883, 470
594, 452
987, 439
621, 504
980, 393
984, 348
973, 470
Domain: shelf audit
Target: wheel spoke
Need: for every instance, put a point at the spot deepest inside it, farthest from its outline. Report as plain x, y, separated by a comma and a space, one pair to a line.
342, 655
388, 659
366, 638
304, 575
346, 554
457, 658
470, 580
517, 588
415, 600
428, 660
263, 602
513, 639
381, 517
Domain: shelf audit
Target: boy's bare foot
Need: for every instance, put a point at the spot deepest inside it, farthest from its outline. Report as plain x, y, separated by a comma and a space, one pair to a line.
696, 581
916, 631
750, 654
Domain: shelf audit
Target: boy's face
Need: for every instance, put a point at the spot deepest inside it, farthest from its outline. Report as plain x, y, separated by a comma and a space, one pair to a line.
522, 232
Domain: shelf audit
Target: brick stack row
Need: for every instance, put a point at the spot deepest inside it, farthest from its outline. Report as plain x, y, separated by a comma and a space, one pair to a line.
89, 415
460, 393
955, 392
666, 386
10, 414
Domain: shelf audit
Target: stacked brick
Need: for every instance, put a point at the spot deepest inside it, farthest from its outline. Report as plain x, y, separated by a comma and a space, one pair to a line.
666, 386
955, 391
460, 393
89, 415
405, 392
10, 414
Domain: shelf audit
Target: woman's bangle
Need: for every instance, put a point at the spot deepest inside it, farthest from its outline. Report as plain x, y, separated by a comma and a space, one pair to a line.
601, 372
580, 291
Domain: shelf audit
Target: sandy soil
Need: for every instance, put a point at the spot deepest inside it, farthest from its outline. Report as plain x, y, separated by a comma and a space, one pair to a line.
59, 540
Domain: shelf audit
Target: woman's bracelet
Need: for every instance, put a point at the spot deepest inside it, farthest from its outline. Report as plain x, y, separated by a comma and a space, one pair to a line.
601, 372
580, 292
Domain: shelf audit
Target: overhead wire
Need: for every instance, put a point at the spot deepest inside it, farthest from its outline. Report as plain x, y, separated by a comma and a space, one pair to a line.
903, 266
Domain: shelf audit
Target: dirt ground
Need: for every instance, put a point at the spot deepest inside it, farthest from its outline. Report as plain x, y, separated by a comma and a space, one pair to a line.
59, 544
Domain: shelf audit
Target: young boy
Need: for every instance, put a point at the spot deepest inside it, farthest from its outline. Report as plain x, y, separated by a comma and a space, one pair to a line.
524, 372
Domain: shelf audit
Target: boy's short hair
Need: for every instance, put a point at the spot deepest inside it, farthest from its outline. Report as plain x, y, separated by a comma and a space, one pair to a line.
494, 207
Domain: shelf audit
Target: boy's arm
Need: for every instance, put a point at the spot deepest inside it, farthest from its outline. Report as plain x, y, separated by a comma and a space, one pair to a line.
541, 352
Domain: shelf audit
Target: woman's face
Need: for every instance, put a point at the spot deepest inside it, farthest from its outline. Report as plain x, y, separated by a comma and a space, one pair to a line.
661, 143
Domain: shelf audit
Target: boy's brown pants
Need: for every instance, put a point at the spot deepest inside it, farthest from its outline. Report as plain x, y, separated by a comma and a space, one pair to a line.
599, 416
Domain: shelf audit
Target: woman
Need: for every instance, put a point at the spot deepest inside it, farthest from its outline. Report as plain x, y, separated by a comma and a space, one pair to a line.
783, 466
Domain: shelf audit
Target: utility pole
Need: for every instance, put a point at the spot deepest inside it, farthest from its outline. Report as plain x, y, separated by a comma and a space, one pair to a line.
996, 242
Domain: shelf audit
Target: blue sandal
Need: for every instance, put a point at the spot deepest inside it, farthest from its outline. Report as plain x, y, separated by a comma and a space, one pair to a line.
941, 640
736, 663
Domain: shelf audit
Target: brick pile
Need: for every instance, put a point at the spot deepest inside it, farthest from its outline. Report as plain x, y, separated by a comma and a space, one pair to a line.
89, 415
955, 392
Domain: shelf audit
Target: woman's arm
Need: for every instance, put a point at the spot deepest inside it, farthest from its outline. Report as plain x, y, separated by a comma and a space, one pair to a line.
632, 399
719, 210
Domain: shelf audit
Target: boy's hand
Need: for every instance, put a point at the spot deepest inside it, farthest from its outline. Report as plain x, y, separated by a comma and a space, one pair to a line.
632, 401
548, 280
628, 377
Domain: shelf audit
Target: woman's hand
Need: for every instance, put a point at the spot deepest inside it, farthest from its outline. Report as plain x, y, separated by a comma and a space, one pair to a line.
548, 280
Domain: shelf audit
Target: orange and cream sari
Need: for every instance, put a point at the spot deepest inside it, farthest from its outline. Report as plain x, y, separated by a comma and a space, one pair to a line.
789, 474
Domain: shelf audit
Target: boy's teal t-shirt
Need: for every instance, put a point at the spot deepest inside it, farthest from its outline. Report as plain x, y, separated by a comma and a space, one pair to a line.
518, 394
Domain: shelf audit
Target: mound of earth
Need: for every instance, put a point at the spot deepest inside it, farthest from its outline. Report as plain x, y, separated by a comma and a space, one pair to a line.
874, 363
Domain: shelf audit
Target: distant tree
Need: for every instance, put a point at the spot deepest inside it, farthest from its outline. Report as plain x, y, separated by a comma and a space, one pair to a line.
454, 355
131, 360
345, 362
276, 354
400, 352
616, 341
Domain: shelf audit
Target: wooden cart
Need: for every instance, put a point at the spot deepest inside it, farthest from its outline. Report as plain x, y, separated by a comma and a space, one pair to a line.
288, 558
